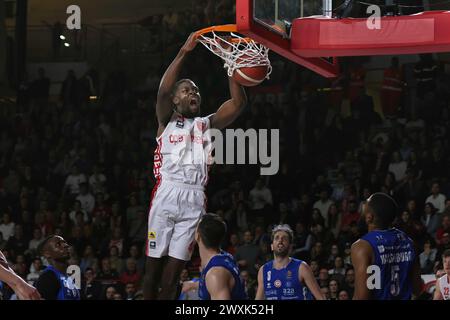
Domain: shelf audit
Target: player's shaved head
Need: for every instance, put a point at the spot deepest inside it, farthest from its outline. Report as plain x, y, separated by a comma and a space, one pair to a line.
384, 209
212, 230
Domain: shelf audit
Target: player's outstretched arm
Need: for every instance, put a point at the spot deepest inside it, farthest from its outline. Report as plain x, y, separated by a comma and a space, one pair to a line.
361, 255
218, 283
230, 110
306, 275
164, 106
22, 289
260, 290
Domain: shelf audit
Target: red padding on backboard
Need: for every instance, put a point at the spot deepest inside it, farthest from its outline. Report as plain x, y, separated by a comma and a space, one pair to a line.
324, 37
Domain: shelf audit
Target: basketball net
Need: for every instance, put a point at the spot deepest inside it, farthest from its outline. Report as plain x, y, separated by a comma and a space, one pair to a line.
236, 52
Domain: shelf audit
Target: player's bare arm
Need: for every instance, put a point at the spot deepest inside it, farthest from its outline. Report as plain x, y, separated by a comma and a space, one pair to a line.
231, 109
219, 283
22, 289
362, 257
260, 290
164, 105
306, 275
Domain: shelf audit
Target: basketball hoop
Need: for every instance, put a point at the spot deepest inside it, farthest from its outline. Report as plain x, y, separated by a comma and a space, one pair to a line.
237, 52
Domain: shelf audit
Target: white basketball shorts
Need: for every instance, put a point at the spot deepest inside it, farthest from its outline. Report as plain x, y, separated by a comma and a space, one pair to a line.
175, 212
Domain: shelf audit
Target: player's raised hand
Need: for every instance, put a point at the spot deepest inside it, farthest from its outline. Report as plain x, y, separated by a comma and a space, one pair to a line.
190, 43
26, 292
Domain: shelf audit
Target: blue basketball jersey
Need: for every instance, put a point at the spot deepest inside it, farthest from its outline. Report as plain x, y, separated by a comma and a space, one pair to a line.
68, 289
394, 254
225, 260
284, 284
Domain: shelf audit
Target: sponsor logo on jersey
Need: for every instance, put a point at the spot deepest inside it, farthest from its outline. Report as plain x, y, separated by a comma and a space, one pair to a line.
289, 274
151, 235
381, 249
269, 275
180, 123
152, 245
277, 283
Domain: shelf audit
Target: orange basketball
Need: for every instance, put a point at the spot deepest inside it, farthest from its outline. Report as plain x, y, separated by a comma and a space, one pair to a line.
250, 76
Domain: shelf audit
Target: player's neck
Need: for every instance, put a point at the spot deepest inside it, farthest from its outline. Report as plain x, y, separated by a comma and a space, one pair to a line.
281, 262
206, 254
60, 266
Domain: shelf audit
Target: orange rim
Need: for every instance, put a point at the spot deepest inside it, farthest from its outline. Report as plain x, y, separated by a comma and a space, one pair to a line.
222, 28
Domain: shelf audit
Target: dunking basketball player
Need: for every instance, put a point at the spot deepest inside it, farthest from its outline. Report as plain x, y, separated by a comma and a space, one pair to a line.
388, 250
181, 170
286, 278
442, 291
22, 289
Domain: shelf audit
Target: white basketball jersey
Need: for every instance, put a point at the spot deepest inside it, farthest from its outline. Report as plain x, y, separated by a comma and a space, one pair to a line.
444, 286
183, 153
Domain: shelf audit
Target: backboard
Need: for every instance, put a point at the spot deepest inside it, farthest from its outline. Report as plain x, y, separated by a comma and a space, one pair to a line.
269, 23
308, 32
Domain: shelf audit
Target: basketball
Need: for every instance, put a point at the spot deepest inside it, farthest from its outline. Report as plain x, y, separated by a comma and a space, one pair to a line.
250, 76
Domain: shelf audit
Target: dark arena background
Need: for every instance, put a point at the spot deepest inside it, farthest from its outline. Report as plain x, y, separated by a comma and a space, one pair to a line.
78, 130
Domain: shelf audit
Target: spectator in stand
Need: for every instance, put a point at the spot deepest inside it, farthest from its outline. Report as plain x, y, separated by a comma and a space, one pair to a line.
36, 269
76, 209
428, 257
110, 292
86, 199
73, 181
91, 289
323, 278
343, 295
352, 215
34, 243
349, 281
302, 242
97, 181
323, 205
107, 275
249, 256
338, 270
131, 274
430, 219
130, 291
7, 226
249, 284
233, 244
18, 243
318, 253
444, 228
436, 198
333, 287
260, 198
89, 259
334, 220
116, 261
398, 166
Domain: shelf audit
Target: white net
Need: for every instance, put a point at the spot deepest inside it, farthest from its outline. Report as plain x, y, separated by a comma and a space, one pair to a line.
238, 52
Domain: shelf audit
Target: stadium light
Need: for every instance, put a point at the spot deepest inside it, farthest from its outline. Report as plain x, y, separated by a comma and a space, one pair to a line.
62, 37
66, 44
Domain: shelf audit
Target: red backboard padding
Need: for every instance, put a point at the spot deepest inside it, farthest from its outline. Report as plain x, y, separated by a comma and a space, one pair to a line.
419, 33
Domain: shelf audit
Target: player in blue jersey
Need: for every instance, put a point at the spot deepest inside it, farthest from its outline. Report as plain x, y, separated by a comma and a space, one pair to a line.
394, 268
54, 283
219, 278
286, 278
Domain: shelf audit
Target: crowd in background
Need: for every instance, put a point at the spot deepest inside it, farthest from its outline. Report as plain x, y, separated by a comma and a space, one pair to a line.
82, 169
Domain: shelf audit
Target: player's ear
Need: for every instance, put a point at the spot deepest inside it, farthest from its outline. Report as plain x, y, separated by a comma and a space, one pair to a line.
175, 100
